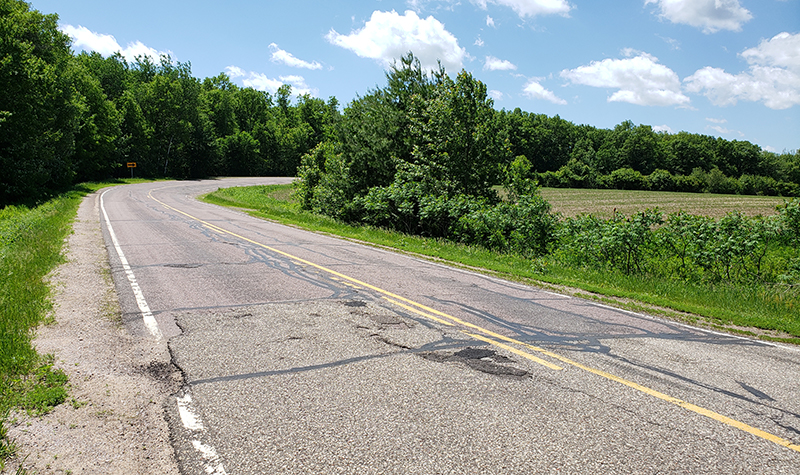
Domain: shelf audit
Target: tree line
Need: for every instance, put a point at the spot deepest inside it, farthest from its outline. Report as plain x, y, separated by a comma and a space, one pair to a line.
427, 154
66, 118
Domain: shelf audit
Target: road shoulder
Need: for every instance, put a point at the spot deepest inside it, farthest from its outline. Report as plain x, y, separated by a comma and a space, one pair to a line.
113, 420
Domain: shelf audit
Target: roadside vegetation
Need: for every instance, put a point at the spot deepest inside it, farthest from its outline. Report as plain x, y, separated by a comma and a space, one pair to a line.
31, 245
734, 273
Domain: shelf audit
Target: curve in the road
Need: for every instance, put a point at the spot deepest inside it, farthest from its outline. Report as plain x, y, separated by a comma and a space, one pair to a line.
492, 337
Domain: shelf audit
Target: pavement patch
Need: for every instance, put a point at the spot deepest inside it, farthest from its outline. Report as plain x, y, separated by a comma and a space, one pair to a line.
479, 359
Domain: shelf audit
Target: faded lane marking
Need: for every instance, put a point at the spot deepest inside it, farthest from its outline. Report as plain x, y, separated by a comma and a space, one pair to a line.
191, 422
412, 309
688, 406
213, 465
147, 316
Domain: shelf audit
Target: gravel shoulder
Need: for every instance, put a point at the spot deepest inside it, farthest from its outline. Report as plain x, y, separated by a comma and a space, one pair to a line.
113, 421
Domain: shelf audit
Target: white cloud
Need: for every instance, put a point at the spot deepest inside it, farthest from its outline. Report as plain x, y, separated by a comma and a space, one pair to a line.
773, 77
299, 86
235, 71
639, 79
496, 95
87, 40
479, 42
284, 57
534, 90
710, 15
672, 42
782, 51
531, 8
663, 128
497, 64
262, 82
387, 36
777, 88
719, 129
725, 131
716, 121
489, 21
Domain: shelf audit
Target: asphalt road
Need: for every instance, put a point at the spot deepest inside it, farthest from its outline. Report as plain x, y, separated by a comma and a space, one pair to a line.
307, 354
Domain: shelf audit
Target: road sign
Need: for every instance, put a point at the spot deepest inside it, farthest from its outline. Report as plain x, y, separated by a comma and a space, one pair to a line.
131, 164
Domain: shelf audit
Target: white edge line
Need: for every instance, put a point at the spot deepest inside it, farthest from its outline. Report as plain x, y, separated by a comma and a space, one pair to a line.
191, 421
189, 417
147, 316
213, 466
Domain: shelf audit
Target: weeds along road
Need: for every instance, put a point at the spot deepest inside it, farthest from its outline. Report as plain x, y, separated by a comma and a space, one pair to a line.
307, 354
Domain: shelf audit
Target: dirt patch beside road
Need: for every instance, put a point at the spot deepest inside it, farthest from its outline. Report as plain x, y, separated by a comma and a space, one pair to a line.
113, 421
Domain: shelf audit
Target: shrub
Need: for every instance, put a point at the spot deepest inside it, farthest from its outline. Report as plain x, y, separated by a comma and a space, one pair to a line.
627, 179
688, 183
789, 215
758, 185
576, 174
620, 242
520, 178
325, 182
732, 249
717, 182
525, 226
661, 180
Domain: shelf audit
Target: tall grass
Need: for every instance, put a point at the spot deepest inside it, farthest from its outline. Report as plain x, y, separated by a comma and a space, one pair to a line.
762, 308
31, 243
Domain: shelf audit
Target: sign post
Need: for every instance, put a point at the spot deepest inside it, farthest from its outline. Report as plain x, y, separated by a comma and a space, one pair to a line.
131, 165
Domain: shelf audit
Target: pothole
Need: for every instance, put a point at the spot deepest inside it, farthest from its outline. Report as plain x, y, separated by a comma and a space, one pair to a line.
480, 359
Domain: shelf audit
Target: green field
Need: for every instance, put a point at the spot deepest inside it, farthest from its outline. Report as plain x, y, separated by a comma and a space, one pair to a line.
572, 202
761, 311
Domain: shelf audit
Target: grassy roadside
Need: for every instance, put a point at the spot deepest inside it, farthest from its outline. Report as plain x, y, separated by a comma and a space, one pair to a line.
31, 245
761, 312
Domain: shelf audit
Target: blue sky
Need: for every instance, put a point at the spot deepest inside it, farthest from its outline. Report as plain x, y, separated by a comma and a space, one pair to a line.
728, 68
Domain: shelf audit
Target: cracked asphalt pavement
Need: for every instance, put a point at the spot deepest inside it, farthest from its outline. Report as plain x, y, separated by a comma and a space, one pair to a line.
301, 353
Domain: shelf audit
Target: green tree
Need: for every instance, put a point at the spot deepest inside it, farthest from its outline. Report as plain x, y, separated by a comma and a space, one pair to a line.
219, 102
112, 72
181, 142
37, 115
545, 141
242, 157
686, 151
374, 133
135, 136
460, 139
98, 127
252, 108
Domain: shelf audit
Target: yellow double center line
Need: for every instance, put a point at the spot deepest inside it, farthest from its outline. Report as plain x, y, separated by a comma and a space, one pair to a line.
450, 320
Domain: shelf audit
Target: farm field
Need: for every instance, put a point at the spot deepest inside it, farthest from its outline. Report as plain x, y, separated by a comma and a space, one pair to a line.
602, 203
